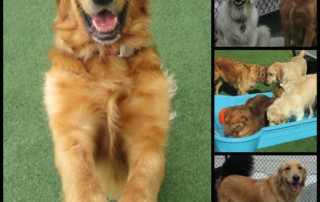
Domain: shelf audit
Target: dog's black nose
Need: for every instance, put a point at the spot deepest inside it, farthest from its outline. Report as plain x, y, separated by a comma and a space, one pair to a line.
102, 2
296, 178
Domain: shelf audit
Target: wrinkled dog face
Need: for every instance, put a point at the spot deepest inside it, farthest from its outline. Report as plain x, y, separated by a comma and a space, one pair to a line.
104, 20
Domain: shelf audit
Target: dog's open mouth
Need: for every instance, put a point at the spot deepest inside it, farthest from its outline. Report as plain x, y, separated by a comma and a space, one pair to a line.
239, 2
105, 26
294, 186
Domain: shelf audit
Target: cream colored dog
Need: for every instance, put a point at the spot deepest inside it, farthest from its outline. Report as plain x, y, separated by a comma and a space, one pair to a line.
294, 100
284, 72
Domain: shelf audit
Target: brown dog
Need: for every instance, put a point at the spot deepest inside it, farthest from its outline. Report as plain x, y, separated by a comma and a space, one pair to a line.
285, 186
299, 21
242, 76
241, 121
107, 99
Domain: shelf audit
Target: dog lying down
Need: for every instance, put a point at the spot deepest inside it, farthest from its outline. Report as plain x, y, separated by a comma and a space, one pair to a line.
241, 121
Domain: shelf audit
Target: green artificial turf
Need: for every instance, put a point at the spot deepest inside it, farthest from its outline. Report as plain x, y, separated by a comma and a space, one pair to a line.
266, 58
182, 35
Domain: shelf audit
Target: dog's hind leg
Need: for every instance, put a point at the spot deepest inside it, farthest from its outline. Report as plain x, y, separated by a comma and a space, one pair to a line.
263, 36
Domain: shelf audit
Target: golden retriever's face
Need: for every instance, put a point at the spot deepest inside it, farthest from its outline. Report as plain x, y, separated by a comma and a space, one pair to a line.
103, 19
236, 121
275, 115
292, 174
83, 26
275, 73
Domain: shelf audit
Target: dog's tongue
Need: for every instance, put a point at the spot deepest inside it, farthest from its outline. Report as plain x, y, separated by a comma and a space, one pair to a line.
104, 21
294, 188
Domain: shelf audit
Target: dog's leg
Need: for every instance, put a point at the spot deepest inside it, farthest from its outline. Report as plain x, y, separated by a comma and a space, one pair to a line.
145, 125
263, 36
311, 112
217, 87
299, 114
75, 163
287, 40
308, 37
73, 123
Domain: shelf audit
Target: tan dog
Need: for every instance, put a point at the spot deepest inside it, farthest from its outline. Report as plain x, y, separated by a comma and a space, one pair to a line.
293, 102
241, 121
285, 186
299, 21
108, 102
242, 76
285, 72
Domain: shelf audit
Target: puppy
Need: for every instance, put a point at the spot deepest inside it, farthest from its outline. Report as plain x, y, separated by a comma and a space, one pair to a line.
293, 101
287, 71
285, 186
237, 25
240, 75
299, 21
241, 121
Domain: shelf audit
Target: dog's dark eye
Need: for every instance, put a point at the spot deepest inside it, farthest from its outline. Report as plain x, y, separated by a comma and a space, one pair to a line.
287, 168
299, 167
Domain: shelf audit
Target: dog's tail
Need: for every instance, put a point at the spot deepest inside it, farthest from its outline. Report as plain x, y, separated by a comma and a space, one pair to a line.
301, 53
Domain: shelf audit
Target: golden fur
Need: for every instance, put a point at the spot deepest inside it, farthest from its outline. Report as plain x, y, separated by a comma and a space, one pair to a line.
109, 115
241, 121
299, 21
276, 188
240, 75
287, 71
293, 102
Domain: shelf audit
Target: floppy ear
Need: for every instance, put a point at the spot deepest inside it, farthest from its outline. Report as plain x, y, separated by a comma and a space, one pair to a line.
304, 175
280, 73
278, 176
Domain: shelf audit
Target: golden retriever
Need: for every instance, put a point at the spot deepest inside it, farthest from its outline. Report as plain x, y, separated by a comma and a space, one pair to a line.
107, 99
287, 71
240, 75
294, 101
285, 186
241, 121
299, 21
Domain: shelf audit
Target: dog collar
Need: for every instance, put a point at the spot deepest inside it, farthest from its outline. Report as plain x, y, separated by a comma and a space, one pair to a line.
124, 51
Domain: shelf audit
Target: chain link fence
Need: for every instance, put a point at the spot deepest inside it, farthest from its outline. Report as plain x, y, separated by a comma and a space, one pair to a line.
267, 165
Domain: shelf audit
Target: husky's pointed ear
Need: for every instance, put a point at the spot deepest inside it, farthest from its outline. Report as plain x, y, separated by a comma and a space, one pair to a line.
252, 1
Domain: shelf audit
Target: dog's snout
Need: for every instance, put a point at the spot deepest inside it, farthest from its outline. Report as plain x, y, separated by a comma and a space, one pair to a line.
102, 2
296, 178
